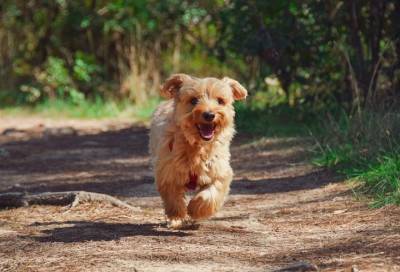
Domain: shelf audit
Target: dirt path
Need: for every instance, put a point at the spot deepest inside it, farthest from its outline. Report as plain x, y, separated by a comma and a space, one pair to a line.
280, 211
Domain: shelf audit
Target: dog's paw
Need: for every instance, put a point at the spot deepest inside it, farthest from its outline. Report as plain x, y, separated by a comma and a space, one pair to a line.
175, 223
181, 223
200, 209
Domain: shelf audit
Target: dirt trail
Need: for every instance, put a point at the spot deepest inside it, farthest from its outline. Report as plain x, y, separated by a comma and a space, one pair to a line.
280, 211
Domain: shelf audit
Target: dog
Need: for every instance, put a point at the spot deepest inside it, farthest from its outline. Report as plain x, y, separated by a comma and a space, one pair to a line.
190, 138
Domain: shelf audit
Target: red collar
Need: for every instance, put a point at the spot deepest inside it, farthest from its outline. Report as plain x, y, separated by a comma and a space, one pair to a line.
192, 184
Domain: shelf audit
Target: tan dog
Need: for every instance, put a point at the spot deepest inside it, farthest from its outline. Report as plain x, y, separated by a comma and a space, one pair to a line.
190, 137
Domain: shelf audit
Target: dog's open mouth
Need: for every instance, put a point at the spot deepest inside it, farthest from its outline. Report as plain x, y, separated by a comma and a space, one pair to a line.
206, 131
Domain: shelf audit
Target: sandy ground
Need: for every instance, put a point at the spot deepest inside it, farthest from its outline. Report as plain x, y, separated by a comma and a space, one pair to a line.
281, 210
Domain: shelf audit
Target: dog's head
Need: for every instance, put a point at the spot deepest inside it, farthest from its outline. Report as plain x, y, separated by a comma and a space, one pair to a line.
203, 106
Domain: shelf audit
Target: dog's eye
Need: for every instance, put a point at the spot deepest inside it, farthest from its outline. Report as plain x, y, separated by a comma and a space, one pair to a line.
194, 101
221, 101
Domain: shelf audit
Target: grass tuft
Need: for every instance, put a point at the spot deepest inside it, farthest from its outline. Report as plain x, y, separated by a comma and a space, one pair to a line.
381, 179
365, 149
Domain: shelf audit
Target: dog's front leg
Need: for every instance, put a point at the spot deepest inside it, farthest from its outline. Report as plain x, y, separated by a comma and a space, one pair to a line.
174, 201
208, 200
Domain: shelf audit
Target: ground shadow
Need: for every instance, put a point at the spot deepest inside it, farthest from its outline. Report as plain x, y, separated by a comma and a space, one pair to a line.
82, 231
117, 163
308, 181
112, 162
245, 140
113, 185
74, 152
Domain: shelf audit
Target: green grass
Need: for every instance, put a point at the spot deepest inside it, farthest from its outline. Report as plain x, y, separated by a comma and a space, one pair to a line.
332, 157
380, 179
377, 177
365, 149
86, 109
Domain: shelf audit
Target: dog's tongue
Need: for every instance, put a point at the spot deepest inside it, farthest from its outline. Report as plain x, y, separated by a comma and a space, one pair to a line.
206, 131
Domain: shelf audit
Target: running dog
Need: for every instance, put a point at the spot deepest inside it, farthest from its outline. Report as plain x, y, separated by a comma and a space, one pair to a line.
190, 137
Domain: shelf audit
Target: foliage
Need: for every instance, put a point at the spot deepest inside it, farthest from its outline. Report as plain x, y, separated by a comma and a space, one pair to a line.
80, 49
320, 51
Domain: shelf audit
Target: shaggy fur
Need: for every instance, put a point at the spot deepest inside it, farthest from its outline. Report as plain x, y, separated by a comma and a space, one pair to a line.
190, 137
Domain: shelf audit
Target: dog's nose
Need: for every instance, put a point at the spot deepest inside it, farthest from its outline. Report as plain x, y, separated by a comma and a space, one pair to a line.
208, 116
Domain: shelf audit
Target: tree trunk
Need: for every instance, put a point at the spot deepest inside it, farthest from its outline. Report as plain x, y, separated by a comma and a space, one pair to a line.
376, 25
358, 63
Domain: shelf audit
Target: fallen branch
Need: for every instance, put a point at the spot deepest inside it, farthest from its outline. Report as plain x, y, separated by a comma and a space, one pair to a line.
72, 198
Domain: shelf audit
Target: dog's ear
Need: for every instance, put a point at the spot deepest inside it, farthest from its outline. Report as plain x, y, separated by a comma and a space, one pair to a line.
239, 92
172, 85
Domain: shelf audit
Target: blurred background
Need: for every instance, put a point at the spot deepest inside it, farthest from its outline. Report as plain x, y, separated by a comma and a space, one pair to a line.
326, 68
312, 54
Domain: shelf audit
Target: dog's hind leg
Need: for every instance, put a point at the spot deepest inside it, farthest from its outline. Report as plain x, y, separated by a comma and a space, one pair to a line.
208, 201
